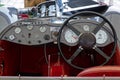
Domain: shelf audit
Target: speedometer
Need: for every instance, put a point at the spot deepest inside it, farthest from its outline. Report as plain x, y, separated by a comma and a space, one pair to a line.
101, 37
70, 36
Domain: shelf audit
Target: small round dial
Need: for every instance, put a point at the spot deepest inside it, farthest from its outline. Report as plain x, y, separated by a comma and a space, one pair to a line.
17, 30
86, 28
101, 37
29, 27
70, 36
43, 29
11, 37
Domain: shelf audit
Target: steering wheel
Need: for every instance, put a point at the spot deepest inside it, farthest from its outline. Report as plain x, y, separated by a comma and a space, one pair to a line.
86, 40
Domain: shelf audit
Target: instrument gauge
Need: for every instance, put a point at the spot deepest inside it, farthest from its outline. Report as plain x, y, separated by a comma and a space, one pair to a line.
86, 28
43, 29
11, 37
17, 30
70, 36
101, 37
29, 27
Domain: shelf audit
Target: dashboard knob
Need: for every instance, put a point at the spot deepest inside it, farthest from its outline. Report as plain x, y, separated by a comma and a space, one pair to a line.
39, 41
47, 37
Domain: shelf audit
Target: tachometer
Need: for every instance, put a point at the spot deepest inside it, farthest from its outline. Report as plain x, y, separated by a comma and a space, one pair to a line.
70, 36
101, 37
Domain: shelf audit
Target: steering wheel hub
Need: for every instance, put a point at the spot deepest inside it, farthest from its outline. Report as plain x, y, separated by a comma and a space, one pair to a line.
87, 40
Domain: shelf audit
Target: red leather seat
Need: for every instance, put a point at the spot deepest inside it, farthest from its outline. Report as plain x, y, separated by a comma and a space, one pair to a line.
101, 71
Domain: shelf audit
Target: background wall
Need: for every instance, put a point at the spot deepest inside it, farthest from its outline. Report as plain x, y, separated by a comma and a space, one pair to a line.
21, 3
30, 3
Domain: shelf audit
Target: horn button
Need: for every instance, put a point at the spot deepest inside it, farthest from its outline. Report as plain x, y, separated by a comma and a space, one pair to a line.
87, 40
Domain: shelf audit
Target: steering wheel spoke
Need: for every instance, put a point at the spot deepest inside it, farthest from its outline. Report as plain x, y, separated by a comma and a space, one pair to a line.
76, 53
99, 27
101, 53
73, 29
92, 59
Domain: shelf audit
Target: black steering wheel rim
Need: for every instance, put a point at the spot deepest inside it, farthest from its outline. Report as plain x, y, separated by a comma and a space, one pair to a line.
87, 13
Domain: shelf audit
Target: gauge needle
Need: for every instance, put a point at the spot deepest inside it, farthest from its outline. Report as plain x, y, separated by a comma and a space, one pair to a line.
75, 37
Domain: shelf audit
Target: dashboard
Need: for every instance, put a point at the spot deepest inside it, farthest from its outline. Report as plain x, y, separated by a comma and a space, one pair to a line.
71, 36
31, 32
43, 31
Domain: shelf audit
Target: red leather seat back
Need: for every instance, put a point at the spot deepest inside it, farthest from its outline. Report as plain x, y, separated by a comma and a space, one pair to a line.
101, 71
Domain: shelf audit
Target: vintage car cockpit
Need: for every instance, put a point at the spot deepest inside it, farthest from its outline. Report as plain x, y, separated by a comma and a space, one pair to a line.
54, 48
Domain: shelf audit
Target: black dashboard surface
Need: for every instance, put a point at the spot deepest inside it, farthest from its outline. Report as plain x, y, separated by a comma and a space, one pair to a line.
80, 3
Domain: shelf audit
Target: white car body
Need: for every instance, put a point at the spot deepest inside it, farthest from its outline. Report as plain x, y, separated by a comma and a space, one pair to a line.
8, 15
